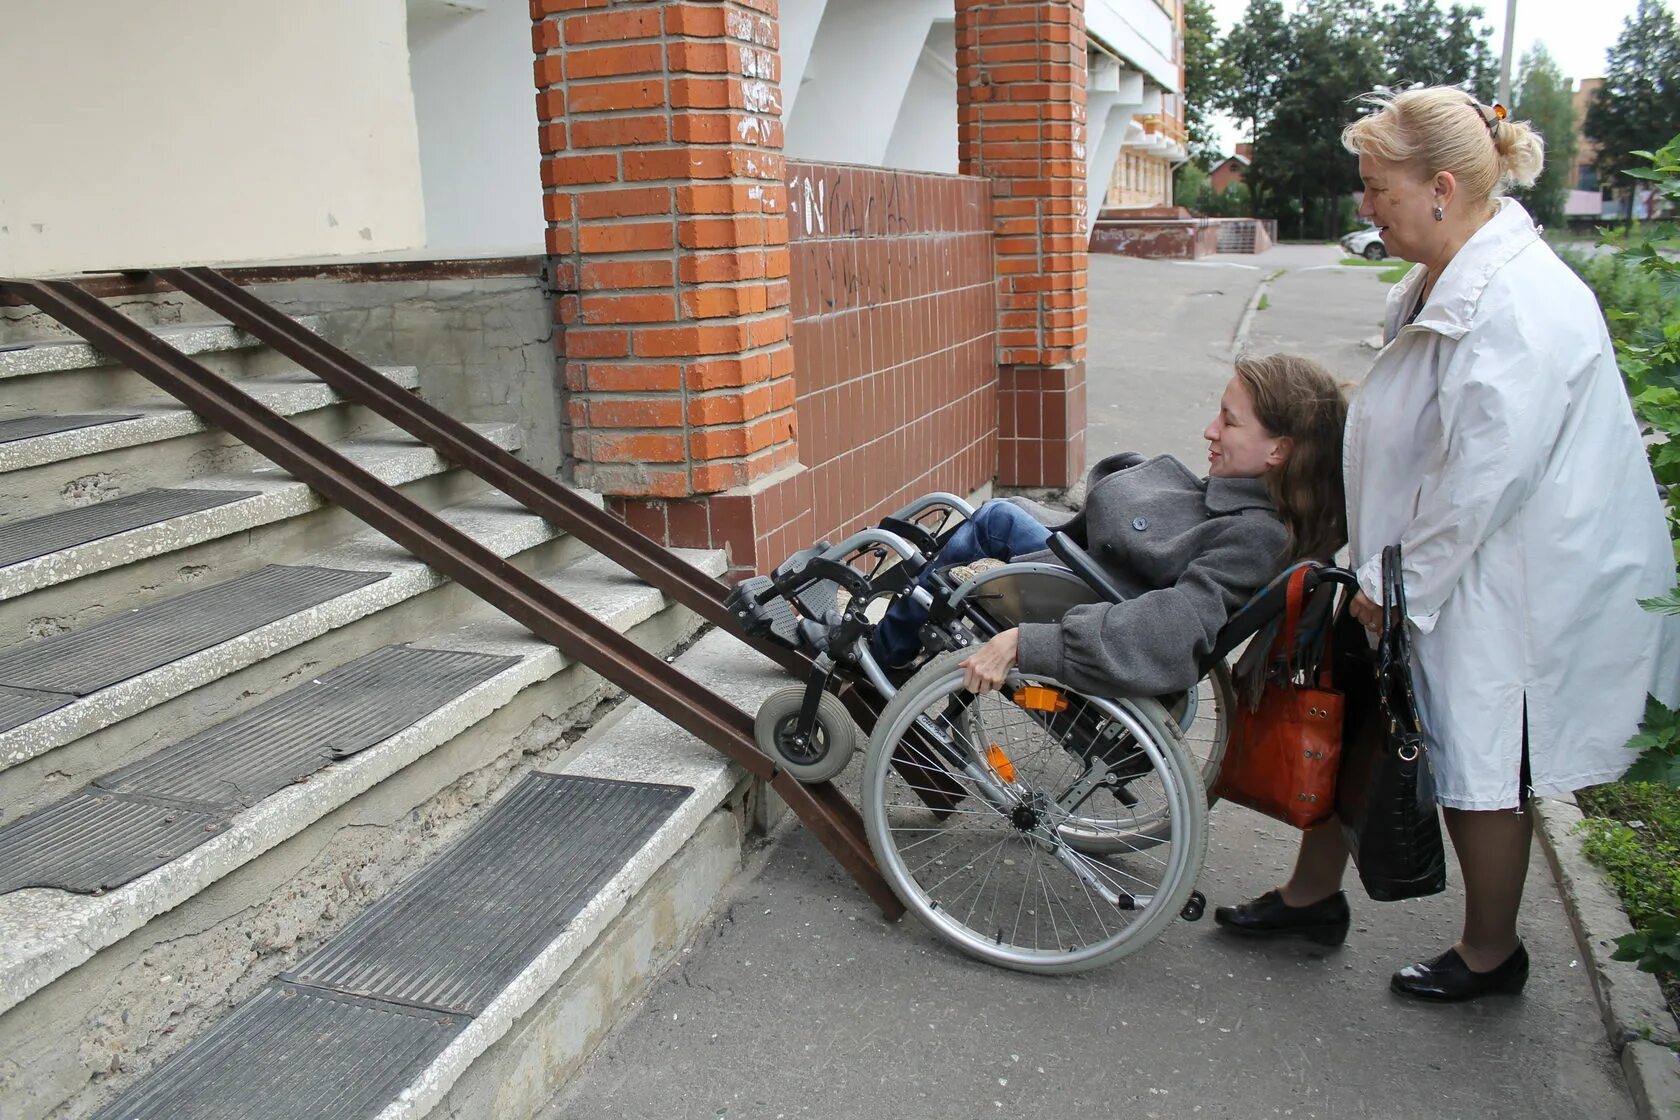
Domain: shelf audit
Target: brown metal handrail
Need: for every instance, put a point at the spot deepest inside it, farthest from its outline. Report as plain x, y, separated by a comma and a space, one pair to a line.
584, 639
642, 556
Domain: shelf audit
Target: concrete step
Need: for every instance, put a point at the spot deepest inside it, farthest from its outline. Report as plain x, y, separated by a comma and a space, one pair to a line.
45, 757
69, 375
272, 518
162, 444
524, 1036
102, 988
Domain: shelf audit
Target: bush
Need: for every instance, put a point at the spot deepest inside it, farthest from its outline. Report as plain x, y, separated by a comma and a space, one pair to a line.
1620, 285
1634, 830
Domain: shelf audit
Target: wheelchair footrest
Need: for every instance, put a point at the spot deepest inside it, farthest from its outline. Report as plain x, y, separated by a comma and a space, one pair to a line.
760, 611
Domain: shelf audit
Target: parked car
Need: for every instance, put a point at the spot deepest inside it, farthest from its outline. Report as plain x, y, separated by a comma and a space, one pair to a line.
1366, 243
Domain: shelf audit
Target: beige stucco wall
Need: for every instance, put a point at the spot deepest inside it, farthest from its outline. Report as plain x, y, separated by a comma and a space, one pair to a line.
177, 131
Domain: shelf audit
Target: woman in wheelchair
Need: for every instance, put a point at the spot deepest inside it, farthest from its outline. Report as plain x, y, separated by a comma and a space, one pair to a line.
1184, 551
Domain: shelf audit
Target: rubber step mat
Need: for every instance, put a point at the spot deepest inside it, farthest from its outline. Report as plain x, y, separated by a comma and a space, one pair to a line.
19, 705
293, 1053
121, 826
247, 758
28, 427
345, 1043
97, 656
94, 841
452, 937
54, 532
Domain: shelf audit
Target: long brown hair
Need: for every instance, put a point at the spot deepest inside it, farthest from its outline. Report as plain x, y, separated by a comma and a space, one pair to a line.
1300, 399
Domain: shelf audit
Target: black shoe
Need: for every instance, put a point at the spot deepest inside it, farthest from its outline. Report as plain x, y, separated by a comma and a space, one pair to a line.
1447, 979
1325, 922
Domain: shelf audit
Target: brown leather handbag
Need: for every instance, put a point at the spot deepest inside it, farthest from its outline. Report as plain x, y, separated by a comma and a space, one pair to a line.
1284, 750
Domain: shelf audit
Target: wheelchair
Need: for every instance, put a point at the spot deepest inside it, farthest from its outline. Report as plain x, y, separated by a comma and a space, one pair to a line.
1039, 828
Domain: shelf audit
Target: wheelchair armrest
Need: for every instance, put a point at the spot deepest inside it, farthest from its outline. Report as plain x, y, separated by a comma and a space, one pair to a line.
1079, 562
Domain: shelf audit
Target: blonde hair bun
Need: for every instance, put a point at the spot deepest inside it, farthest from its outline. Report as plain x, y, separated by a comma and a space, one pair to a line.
1442, 128
1522, 153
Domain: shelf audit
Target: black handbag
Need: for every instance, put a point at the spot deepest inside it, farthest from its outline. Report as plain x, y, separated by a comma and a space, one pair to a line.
1385, 795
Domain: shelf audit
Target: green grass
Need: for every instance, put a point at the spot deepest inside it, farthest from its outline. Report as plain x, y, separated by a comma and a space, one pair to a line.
1392, 268
1632, 831
1265, 301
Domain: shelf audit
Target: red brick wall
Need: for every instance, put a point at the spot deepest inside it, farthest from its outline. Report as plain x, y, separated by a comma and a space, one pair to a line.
894, 328
1021, 125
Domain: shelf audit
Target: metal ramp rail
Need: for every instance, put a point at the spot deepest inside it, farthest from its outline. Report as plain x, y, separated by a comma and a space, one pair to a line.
687, 703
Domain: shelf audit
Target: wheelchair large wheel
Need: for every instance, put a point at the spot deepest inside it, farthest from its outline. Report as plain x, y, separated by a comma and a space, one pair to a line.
1203, 716
1003, 876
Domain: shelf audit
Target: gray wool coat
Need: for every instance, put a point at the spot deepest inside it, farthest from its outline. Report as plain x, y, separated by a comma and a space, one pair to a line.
1185, 551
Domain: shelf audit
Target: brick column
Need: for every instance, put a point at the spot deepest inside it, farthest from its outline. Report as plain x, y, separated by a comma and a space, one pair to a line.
667, 234
1021, 124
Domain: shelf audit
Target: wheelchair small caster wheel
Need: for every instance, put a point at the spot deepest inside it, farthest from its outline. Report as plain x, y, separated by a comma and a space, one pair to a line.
810, 759
1194, 907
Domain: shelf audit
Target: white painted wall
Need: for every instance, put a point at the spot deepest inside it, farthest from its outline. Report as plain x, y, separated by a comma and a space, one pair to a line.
1139, 32
798, 27
476, 110
925, 135
1113, 94
855, 81
204, 131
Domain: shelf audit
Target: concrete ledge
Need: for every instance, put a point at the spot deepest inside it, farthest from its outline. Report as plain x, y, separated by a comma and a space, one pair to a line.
46, 933
396, 462
288, 398
52, 355
497, 522
1636, 1017
637, 744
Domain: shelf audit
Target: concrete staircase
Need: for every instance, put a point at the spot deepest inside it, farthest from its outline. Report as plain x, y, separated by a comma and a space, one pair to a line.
233, 720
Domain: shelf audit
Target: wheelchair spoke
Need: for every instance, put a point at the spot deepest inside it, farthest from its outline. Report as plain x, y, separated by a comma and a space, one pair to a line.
1042, 868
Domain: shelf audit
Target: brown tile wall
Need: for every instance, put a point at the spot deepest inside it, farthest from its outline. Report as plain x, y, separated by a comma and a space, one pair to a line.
895, 377
894, 338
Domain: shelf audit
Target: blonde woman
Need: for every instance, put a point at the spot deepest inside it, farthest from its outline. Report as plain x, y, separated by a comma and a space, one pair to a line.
1493, 439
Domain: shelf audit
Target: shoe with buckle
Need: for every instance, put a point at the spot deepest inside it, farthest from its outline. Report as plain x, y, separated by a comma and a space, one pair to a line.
1447, 979
1325, 922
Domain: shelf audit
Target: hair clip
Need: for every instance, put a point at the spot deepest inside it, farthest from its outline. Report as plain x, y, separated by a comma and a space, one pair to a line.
1490, 117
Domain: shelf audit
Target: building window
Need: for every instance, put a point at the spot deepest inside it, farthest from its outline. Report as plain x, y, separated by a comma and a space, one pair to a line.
1587, 178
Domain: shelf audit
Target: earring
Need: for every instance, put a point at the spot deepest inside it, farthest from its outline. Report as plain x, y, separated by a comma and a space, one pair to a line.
1440, 215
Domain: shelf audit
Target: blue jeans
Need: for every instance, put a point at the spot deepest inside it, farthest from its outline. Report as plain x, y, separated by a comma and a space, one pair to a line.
999, 530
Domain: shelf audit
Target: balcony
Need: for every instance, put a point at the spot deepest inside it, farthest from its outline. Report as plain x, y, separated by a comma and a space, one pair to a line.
1142, 32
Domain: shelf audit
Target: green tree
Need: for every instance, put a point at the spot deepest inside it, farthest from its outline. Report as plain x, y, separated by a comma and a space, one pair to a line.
1545, 99
1301, 174
1424, 45
1204, 76
1256, 55
1638, 107
1190, 185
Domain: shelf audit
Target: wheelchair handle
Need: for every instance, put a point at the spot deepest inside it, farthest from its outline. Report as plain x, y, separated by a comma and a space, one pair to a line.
928, 501
882, 538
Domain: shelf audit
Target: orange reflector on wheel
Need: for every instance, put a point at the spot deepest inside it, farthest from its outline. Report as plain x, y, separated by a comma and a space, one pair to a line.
999, 762
1036, 698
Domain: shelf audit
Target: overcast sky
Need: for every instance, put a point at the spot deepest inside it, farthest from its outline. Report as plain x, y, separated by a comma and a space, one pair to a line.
1576, 32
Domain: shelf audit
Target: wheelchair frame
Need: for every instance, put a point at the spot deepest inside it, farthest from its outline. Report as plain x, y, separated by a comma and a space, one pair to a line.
806, 729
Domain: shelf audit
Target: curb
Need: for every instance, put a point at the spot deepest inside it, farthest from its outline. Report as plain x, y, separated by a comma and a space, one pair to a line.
1637, 1021
1239, 339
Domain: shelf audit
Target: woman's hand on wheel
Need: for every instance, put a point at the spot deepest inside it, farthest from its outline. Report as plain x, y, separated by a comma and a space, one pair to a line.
987, 667
1366, 613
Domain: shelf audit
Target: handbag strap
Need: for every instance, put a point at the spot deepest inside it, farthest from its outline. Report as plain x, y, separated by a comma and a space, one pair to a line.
1394, 653
1294, 596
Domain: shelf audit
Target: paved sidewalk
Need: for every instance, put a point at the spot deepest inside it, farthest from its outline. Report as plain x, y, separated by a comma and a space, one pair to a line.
801, 1002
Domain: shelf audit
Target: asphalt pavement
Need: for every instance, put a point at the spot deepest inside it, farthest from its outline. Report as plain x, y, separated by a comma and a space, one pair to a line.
799, 1001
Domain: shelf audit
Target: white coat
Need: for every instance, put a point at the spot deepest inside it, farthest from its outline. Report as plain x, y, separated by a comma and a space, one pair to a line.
1494, 440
